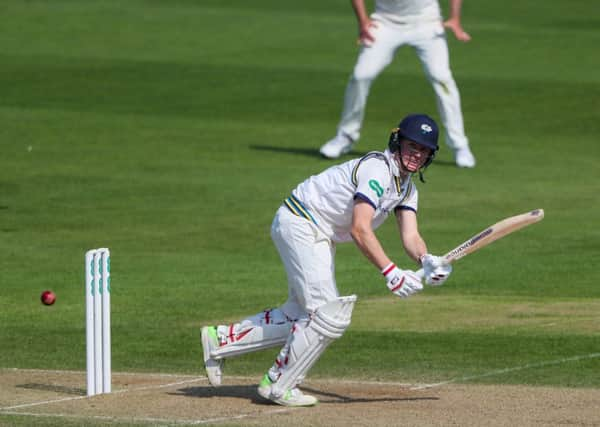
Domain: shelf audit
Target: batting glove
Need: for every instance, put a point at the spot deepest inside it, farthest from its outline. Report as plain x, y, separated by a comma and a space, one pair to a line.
403, 283
435, 269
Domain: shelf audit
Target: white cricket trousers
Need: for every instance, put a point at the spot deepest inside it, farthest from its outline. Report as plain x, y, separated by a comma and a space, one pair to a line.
429, 42
308, 257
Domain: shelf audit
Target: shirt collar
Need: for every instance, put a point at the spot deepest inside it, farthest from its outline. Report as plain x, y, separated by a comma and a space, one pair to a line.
393, 165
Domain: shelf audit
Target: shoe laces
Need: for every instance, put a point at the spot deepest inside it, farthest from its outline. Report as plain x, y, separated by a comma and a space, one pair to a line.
293, 393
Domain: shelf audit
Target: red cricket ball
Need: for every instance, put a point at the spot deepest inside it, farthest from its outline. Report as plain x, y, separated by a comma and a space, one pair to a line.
48, 297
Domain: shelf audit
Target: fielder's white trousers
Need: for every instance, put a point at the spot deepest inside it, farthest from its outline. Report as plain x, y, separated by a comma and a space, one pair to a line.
429, 42
308, 257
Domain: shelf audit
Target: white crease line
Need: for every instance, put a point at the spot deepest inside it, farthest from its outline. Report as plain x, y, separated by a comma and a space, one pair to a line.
241, 416
562, 322
88, 417
44, 402
203, 378
154, 421
9, 410
125, 390
6, 410
506, 370
200, 377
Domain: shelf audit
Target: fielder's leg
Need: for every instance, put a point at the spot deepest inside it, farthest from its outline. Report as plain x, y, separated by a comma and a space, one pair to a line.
433, 53
308, 341
263, 330
371, 61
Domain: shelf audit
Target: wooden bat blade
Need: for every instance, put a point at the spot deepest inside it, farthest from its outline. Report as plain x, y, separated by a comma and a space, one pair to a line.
493, 233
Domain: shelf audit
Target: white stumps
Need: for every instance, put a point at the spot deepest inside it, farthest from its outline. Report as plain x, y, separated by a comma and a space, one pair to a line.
97, 303
106, 372
89, 321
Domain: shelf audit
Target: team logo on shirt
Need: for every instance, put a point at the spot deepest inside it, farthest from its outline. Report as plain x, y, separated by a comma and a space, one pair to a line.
425, 128
376, 187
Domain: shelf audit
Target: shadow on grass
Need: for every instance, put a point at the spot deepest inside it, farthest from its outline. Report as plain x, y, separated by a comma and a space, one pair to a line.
54, 388
338, 398
309, 152
249, 392
240, 391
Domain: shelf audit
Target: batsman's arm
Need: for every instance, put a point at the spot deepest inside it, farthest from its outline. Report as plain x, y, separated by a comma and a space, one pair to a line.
413, 243
364, 237
402, 283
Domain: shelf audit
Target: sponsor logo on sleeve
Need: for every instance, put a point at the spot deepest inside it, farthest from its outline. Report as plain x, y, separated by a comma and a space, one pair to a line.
376, 187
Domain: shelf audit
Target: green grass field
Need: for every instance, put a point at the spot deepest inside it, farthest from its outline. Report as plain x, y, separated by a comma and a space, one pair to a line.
171, 131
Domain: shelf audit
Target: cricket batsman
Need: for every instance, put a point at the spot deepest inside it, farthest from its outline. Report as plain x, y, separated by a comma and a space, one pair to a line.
344, 203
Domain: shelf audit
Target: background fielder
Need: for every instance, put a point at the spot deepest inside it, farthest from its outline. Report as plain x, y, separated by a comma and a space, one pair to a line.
417, 23
344, 203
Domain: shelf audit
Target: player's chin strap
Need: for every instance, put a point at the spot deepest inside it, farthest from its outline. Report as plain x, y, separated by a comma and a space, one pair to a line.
427, 163
421, 171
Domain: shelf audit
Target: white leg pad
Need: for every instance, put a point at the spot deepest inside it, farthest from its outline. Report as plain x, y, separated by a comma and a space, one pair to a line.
307, 343
263, 330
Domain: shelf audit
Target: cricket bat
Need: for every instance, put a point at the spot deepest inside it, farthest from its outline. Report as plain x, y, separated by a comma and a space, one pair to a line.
491, 234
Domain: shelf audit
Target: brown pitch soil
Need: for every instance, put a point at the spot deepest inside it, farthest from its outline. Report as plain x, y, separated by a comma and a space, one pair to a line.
155, 399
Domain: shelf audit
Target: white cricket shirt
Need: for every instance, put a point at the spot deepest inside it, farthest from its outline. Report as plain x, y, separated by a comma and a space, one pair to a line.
329, 196
407, 11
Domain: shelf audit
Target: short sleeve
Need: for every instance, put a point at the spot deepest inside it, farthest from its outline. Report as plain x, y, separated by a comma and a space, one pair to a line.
411, 200
371, 177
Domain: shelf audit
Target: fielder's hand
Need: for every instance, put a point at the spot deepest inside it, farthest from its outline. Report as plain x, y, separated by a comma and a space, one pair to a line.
365, 37
457, 29
403, 283
435, 269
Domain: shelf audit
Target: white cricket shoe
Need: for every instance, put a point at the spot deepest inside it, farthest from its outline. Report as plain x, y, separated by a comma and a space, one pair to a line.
337, 146
293, 397
464, 158
214, 368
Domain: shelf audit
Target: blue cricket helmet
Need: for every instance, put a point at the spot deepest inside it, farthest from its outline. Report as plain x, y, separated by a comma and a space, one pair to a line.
419, 128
